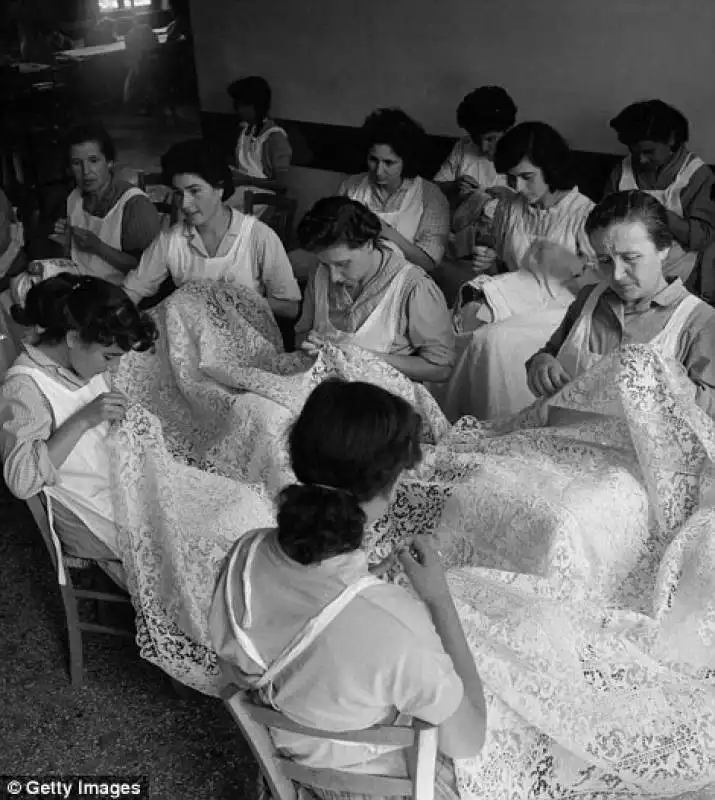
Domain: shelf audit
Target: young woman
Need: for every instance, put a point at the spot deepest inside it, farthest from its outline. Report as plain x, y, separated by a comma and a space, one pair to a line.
214, 242
390, 656
57, 406
109, 223
263, 151
635, 304
365, 293
659, 163
486, 114
540, 241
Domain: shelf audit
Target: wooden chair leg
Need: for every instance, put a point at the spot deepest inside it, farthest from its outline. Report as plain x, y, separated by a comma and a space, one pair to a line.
74, 637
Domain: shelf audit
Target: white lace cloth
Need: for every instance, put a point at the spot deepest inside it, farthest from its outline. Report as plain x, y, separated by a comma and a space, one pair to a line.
580, 555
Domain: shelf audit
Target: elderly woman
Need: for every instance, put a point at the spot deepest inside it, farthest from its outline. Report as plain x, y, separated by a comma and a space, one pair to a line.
540, 241
414, 212
365, 293
637, 303
393, 656
57, 407
659, 163
263, 152
213, 241
109, 223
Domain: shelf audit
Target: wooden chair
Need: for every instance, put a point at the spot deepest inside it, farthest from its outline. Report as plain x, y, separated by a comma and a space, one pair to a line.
168, 209
62, 564
280, 773
283, 209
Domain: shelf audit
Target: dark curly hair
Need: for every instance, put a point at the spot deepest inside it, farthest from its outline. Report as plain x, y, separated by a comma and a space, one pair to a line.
92, 132
486, 110
197, 157
100, 312
355, 438
632, 206
252, 91
338, 220
544, 147
653, 121
391, 126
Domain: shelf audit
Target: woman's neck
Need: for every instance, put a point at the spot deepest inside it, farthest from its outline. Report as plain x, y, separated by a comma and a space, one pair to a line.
375, 266
644, 302
217, 225
390, 188
100, 192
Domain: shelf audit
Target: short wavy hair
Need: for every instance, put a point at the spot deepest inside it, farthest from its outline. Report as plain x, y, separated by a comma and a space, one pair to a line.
198, 157
338, 220
485, 110
652, 121
252, 91
632, 206
544, 147
92, 132
393, 127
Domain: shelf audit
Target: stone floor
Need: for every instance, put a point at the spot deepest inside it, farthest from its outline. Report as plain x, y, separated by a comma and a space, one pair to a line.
125, 720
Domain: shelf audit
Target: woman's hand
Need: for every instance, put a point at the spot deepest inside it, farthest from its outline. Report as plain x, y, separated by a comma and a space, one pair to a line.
108, 407
499, 192
60, 227
546, 376
314, 341
86, 241
466, 185
423, 567
388, 232
379, 569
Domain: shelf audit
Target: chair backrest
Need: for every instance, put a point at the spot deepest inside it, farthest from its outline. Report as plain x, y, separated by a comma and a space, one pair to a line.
49, 537
284, 209
280, 773
165, 200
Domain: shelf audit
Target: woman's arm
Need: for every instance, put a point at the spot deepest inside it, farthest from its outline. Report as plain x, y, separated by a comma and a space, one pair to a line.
153, 269
275, 272
695, 230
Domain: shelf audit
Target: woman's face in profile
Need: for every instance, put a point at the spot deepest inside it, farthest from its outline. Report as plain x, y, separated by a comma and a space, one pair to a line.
528, 180
629, 260
90, 168
88, 360
199, 200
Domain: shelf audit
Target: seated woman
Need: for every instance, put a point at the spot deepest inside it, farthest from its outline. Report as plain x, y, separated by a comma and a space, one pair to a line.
540, 240
57, 407
393, 656
109, 223
659, 163
470, 180
263, 152
365, 293
12, 241
635, 304
214, 242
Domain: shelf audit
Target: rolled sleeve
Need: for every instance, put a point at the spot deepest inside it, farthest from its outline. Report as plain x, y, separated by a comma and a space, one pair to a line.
275, 272
145, 280
140, 225
700, 367
429, 324
26, 424
433, 230
699, 211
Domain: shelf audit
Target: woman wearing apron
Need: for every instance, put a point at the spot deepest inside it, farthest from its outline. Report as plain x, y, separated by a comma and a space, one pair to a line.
337, 648
263, 152
214, 242
660, 163
636, 303
57, 407
364, 293
109, 223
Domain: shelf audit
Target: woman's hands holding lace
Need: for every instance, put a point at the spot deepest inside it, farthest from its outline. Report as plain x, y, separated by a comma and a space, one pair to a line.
315, 341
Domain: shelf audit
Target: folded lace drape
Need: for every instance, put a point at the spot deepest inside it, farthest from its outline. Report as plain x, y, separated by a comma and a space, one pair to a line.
580, 554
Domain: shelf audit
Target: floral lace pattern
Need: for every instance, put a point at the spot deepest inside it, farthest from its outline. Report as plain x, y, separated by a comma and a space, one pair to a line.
580, 554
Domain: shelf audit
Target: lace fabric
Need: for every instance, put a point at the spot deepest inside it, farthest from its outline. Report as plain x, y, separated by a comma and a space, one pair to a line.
580, 554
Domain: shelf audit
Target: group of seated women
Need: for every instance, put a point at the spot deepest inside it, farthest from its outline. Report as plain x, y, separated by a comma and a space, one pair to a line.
548, 284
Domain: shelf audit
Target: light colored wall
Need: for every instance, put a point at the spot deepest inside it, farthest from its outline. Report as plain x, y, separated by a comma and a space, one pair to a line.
572, 63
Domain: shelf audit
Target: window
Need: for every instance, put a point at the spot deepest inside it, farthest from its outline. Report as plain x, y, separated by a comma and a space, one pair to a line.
117, 5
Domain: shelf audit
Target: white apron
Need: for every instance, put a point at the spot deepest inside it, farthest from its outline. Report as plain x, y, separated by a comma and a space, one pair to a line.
305, 637
235, 267
249, 159
84, 478
679, 263
108, 229
575, 354
379, 331
406, 220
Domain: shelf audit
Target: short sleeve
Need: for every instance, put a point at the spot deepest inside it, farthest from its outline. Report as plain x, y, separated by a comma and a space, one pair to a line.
450, 168
429, 324
277, 154
145, 280
140, 225
275, 272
